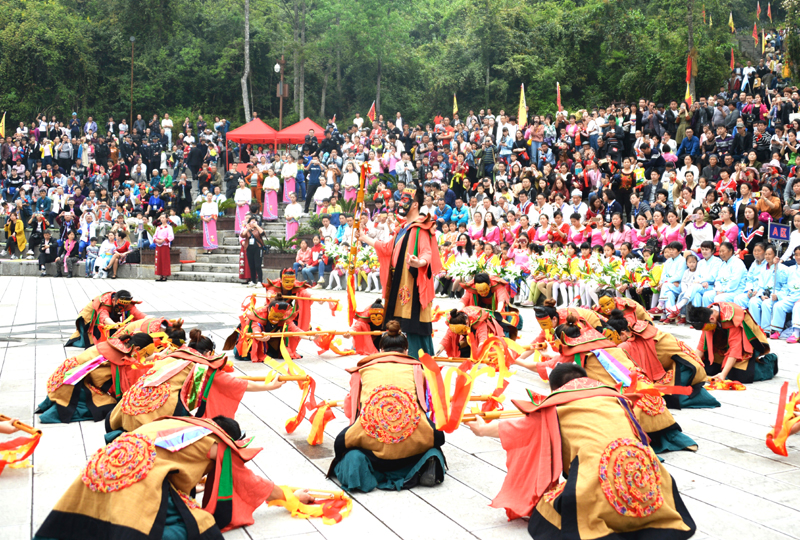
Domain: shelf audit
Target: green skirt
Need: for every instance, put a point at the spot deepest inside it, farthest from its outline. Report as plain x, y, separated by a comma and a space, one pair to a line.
49, 411
355, 472
671, 439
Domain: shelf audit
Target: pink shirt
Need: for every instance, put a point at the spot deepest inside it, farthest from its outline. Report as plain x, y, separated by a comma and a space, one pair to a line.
731, 235
675, 236
639, 240
598, 234
576, 236
492, 235
540, 236
164, 233
658, 232
618, 238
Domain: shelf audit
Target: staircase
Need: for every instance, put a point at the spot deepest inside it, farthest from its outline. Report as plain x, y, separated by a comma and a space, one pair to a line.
223, 264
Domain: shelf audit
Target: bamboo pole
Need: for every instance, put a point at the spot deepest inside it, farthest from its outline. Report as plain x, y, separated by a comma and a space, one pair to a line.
269, 335
281, 378
20, 426
306, 298
491, 415
323, 493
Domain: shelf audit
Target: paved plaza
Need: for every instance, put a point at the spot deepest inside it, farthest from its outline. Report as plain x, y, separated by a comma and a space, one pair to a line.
733, 486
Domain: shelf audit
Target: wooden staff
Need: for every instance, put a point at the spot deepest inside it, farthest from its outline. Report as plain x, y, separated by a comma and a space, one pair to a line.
20, 426
484, 397
491, 415
307, 298
281, 378
269, 335
323, 493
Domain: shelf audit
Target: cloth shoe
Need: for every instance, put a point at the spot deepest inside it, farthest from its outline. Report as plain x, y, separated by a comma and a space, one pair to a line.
792, 339
775, 335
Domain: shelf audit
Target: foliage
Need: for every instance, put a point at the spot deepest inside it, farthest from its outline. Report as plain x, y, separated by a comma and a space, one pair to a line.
181, 229
59, 56
279, 245
227, 204
306, 230
191, 221
348, 207
315, 222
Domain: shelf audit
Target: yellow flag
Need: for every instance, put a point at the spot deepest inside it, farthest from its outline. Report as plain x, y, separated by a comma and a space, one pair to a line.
710, 20
522, 113
763, 43
3, 126
455, 104
730, 22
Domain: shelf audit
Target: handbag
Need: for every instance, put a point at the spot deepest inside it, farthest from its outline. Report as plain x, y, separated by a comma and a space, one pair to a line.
134, 257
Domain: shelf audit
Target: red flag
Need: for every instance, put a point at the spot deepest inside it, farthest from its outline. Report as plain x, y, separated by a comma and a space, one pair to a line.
755, 32
732, 64
704, 14
689, 69
371, 113
758, 10
558, 96
769, 11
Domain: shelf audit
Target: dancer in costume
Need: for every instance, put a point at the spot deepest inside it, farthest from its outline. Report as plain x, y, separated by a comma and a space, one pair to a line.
732, 343
139, 486
369, 320
468, 322
665, 360
607, 301
604, 361
87, 386
549, 317
288, 285
107, 309
189, 381
409, 261
153, 326
277, 316
615, 485
490, 292
390, 442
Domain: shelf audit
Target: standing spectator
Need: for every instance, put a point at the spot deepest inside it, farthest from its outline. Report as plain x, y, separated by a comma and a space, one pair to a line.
209, 213
15, 237
251, 234
48, 251
163, 238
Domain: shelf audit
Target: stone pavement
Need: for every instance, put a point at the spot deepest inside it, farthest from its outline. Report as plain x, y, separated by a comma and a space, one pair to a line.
733, 486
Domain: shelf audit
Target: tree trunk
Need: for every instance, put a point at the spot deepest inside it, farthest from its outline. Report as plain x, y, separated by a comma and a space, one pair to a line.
690, 28
338, 69
295, 54
301, 92
378, 90
486, 89
324, 93
245, 99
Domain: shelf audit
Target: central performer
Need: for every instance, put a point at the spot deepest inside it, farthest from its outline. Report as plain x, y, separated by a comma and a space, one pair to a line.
409, 260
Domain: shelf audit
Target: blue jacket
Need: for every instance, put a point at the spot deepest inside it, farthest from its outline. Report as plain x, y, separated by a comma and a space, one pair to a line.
689, 146
460, 216
759, 278
792, 280
673, 269
707, 270
731, 276
445, 214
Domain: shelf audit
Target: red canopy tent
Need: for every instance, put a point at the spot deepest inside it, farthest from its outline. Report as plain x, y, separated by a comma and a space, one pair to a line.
296, 133
253, 132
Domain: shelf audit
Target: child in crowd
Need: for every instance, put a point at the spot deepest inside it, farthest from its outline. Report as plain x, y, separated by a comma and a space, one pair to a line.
92, 251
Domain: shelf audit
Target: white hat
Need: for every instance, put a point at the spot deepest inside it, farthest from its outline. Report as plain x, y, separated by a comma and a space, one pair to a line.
577, 193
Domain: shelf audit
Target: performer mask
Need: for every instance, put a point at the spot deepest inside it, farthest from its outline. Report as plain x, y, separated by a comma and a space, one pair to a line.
709, 327
376, 316
483, 289
287, 282
459, 329
613, 336
279, 312
406, 200
143, 353
607, 305
546, 323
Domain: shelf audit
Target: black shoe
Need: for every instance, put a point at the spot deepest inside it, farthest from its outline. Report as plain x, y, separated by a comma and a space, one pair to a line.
428, 476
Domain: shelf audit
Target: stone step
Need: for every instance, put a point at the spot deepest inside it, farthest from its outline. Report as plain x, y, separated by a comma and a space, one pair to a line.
223, 268
218, 259
218, 277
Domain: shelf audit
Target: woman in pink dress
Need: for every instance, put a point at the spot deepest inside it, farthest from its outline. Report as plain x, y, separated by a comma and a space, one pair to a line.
658, 228
540, 237
511, 228
475, 229
292, 214
577, 231
271, 186
728, 230
597, 236
163, 238
618, 233
640, 234
242, 198
674, 231
491, 232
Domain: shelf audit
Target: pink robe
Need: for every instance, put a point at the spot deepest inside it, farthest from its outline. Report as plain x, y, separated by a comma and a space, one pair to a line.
288, 187
270, 205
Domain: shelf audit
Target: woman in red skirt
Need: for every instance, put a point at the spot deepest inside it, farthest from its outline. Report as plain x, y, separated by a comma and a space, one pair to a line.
163, 239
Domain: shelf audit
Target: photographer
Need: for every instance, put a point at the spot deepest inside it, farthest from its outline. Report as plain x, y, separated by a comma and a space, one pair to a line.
252, 234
